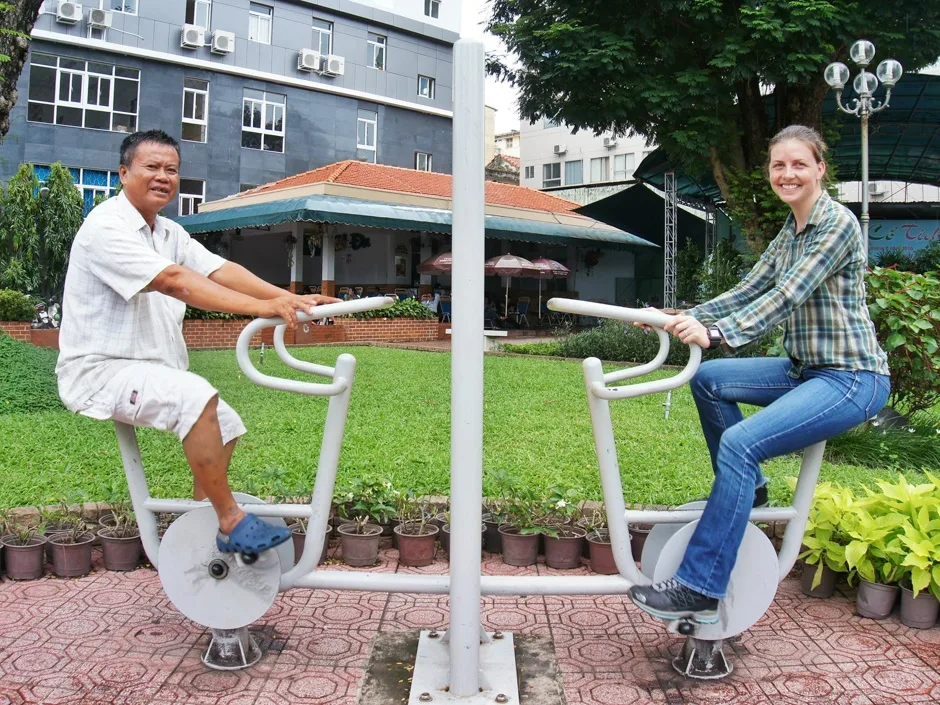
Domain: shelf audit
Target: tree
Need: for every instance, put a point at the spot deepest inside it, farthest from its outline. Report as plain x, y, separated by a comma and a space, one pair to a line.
688, 272
691, 75
37, 226
16, 21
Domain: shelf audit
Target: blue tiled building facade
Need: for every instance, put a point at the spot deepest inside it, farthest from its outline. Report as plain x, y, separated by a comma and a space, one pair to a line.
254, 91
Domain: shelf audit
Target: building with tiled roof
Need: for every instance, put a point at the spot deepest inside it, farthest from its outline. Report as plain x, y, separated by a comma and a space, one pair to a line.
503, 168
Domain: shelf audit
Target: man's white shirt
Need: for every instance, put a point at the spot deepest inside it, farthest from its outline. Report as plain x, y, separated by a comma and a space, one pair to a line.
109, 320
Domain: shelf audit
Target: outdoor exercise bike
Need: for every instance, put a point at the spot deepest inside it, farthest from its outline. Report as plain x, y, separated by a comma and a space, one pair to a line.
227, 594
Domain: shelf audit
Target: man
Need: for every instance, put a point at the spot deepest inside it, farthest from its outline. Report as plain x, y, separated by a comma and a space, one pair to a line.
122, 354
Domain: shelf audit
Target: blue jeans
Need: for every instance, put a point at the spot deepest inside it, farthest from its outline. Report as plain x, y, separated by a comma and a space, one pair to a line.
800, 410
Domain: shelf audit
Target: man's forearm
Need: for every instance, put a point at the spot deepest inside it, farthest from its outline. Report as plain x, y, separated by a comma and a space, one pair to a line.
202, 292
237, 278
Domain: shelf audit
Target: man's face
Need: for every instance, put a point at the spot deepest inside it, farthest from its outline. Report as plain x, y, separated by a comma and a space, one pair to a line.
151, 181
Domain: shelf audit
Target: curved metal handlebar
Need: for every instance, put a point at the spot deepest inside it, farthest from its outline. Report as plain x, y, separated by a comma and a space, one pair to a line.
291, 385
656, 319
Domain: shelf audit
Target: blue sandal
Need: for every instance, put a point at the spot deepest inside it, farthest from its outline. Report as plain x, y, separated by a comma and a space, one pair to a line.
252, 536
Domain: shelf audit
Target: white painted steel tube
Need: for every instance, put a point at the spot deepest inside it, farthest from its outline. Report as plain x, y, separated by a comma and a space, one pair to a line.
292, 361
181, 506
649, 316
466, 445
322, 496
139, 491
802, 500
684, 516
646, 368
660, 385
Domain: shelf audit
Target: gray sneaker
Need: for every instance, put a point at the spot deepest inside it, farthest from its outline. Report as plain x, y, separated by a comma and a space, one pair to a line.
671, 600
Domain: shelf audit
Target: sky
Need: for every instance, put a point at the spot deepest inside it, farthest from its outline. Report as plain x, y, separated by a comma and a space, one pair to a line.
498, 95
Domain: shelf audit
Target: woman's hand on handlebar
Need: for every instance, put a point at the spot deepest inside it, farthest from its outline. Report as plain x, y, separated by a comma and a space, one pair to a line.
689, 330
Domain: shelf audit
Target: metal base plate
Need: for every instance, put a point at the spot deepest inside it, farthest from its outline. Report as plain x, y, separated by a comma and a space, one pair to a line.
231, 650
429, 682
752, 587
236, 600
703, 660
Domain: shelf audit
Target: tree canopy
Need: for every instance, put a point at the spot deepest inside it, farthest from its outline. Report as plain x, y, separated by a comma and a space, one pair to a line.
16, 21
690, 75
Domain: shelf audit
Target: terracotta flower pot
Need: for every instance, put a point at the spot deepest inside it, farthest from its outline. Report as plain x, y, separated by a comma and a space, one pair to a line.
492, 539
918, 612
360, 549
25, 562
120, 553
519, 549
300, 538
416, 549
875, 600
826, 587
564, 552
444, 537
72, 560
602, 553
638, 535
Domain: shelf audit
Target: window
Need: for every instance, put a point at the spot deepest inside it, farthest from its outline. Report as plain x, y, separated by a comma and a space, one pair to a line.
259, 23
508, 142
323, 36
551, 175
530, 172
195, 109
192, 193
64, 91
574, 173
198, 13
600, 169
647, 152
426, 87
432, 8
128, 7
548, 123
623, 166
91, 183
422, 161
246, 187
263, 120
376, 52
366, 129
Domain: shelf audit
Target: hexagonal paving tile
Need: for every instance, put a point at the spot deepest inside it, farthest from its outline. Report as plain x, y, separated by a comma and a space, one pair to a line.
405, 612
590, 615
328, 648
515, 614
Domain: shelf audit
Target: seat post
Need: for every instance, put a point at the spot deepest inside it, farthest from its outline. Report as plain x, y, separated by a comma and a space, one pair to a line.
802, 501
139, 491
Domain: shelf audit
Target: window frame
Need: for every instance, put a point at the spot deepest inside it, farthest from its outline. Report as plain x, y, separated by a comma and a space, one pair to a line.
196, 5
263, 130
432, 9
378, 45
529, 172
193, 120
123, 3
318, 32
604, 163
257, 16
85, 77
190, 198
429, 95
374, 122
627, 168
580, 163
551, 166
427, 162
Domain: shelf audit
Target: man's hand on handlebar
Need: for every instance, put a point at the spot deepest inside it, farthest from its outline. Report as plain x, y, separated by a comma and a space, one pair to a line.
287, 306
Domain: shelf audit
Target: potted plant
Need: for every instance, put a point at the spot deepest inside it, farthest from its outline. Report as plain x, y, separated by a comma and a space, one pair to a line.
525, 523
360, 542
71, 549
120, 542
563, 537
57, 520
24, 548
298, 529
920, 589
598, 541
416, 535
494, 516
874, 554
371, 498
824, 556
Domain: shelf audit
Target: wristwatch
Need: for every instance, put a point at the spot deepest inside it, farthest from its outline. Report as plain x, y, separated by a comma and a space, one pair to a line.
715, 337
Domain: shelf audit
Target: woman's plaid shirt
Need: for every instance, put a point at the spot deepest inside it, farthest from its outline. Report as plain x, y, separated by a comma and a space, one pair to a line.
812, 283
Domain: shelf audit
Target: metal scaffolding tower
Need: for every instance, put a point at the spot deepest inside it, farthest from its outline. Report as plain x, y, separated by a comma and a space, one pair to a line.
711, 230
669, 283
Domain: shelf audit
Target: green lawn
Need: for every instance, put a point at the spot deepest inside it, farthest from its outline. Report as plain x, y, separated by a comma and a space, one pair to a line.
536, 426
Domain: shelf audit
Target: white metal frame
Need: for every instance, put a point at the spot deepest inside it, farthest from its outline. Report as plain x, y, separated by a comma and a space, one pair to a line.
189, 199
260, 24
669, 256
427, 90
262, 130
198, 94
378, 47
319, 33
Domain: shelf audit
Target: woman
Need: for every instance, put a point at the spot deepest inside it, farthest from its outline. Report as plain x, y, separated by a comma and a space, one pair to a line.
811, 279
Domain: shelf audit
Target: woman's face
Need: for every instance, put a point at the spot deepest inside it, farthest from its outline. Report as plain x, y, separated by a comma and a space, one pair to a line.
795, 175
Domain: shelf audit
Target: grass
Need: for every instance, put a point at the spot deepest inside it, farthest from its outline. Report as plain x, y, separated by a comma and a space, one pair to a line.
536, 426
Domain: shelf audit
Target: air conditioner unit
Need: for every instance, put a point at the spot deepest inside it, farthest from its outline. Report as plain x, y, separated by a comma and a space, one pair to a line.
68, 12
99, 19
560, 149
223, 42
610, 142
876, 188
335, 65
309, 60
192, 37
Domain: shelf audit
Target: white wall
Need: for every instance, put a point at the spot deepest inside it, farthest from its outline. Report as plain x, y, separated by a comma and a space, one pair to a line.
450, 11
502, 146
538, 143
891, 192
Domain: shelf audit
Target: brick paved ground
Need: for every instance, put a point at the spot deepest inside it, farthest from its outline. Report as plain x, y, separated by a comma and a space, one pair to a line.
114, 638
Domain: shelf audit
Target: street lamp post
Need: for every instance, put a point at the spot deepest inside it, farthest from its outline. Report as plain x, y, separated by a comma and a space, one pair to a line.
865, 84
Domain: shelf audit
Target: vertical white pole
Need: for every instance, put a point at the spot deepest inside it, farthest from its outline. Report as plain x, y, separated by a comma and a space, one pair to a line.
466, 443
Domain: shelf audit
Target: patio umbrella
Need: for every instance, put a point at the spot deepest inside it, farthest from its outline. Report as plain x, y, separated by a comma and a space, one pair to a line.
509, 266
438, 264
548, 269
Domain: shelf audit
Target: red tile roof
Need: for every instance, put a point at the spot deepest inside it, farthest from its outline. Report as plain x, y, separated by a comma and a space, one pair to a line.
515, 161
390, 178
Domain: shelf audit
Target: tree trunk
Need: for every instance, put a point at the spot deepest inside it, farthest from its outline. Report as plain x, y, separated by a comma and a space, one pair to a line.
20, 17
753, 122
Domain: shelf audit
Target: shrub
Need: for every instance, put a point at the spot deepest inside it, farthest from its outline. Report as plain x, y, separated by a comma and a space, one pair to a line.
27, 378
15, 306
896, 258
549, 348
928, 259
409, 308
199, 314
906, 310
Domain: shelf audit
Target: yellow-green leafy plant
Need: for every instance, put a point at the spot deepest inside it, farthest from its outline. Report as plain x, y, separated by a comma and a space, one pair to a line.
824, 539
874, 551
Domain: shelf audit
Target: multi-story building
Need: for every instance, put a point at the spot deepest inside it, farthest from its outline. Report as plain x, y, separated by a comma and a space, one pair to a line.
508, 143
553, 157
255, 91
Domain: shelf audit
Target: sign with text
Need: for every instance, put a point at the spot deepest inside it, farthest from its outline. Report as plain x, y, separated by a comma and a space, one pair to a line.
909, 235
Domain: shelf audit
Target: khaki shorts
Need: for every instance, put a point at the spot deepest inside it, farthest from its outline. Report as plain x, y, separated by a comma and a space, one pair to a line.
156, 396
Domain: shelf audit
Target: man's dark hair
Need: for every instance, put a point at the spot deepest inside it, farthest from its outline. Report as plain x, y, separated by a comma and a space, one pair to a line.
132, 142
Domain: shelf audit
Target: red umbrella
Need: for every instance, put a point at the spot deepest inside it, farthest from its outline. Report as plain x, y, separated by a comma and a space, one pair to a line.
438, 264
510, 266
548, 269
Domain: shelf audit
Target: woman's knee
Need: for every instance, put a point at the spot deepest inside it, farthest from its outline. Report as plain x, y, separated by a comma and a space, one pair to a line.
703, 384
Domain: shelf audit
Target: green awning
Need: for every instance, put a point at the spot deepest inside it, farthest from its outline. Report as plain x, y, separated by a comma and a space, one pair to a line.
371, 214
